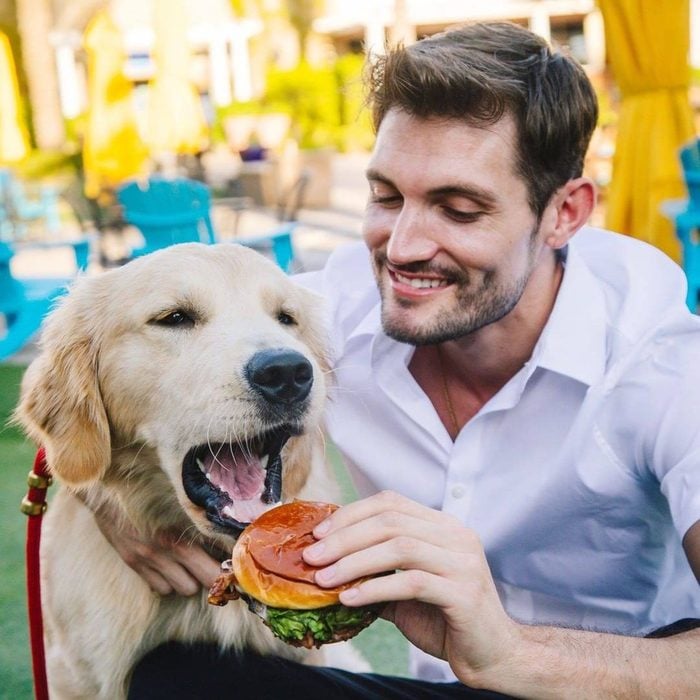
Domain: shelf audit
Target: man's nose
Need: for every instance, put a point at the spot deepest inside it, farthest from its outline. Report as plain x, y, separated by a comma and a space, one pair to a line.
412, 236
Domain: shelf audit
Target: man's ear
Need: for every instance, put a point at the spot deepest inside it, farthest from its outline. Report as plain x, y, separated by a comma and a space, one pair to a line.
568, 210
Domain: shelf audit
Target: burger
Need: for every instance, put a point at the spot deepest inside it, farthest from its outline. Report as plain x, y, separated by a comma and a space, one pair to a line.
267, 571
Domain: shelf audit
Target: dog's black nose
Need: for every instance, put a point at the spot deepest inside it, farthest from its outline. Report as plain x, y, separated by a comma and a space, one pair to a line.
280, 376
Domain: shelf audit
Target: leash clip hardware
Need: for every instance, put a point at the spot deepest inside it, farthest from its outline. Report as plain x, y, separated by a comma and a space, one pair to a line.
37, 481
32, 507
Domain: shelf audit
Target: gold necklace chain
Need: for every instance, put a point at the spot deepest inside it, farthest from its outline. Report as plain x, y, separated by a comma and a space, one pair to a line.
446, 393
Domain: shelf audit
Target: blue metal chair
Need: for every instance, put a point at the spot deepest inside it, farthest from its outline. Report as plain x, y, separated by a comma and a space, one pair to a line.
167, 212
170, 211
278, 242
690, 160
686, 217
25, 302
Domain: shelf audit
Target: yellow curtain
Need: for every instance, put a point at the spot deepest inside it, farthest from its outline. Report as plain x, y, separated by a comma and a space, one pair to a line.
176, 122
112, 150
648, 45
14, 142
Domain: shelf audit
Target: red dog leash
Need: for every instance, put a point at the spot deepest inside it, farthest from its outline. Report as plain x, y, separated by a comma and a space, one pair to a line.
34, 506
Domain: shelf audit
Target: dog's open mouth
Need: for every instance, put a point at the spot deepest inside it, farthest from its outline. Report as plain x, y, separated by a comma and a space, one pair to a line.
235, 482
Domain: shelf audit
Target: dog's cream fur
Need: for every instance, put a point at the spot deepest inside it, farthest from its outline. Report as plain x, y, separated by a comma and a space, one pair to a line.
117, 400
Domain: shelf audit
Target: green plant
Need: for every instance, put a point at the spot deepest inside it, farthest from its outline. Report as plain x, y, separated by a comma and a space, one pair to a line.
356, 125
309, 95
41, 164
324, 102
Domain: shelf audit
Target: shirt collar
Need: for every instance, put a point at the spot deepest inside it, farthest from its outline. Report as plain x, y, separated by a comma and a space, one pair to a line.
573, 342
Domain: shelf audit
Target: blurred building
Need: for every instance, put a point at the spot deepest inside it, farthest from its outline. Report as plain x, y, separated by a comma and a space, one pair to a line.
220, 44
230, 53
572, 23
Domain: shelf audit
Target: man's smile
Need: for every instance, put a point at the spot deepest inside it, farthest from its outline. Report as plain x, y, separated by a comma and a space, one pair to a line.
416, 283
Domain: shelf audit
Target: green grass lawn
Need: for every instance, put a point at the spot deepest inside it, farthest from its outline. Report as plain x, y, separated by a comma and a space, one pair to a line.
382, 645
16, 459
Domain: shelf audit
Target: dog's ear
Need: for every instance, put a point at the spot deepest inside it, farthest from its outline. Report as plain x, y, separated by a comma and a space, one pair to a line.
60, 404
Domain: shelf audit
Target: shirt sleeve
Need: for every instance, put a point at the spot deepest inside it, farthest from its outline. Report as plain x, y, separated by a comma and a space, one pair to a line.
672, 437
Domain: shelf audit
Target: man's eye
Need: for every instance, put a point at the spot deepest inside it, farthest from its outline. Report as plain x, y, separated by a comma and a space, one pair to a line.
174, 319
462, 216
386, 200
286, 319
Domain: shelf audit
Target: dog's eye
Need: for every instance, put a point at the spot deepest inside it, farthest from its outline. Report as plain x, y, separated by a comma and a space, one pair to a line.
286, 319
174, 319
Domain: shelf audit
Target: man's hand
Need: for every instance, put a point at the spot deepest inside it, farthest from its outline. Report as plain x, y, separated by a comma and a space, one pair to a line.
441, 595
444, 598
166, 563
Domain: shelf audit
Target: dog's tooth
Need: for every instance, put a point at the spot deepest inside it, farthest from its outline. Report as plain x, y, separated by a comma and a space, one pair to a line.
264, 460
228, 510
200, 464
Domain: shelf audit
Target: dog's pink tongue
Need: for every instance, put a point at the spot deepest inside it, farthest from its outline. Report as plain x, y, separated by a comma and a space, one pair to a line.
242, 477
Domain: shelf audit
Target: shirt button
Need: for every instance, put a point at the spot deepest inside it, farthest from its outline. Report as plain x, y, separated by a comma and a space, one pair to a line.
458, 491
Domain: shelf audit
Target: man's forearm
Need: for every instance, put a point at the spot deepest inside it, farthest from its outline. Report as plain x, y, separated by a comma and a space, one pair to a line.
561, 663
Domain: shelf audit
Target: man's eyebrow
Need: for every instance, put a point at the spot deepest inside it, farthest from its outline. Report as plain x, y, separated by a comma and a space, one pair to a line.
373, 175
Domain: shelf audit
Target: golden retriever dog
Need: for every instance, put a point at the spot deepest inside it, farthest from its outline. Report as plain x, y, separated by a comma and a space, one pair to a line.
186, 391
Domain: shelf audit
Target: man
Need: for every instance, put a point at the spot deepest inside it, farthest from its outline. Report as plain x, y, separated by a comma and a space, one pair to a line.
530, 394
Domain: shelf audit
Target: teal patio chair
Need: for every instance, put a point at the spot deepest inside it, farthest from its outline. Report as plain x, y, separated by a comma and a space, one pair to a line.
167, 212
690, 160
25, 302
277, 242
685, 215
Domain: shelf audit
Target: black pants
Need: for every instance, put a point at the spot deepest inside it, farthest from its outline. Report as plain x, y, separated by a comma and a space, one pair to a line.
201, 672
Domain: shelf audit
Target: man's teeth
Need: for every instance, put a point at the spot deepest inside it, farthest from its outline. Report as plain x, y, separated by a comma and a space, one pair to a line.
420, 282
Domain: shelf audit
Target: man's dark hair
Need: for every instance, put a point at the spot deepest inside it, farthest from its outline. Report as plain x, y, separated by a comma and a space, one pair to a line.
479, 73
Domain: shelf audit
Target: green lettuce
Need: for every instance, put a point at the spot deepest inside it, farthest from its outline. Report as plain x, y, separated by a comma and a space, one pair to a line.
322, 624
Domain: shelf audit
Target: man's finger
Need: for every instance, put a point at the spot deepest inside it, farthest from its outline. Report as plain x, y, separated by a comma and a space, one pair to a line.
203, 567
385, 526
156, 582
379, 503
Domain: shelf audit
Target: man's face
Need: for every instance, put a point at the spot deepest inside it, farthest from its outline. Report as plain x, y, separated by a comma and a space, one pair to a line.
452, 236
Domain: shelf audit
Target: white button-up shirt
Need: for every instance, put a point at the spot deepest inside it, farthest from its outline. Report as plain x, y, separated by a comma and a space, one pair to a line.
581, 475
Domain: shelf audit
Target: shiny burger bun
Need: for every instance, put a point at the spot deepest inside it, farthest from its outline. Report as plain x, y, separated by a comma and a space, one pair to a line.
267, 561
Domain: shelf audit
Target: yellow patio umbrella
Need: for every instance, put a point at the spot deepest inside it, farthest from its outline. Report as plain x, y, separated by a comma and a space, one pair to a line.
113, 150
176, 122
648, 45
14, 142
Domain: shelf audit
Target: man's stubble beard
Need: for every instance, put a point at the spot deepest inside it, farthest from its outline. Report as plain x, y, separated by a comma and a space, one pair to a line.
472, 308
